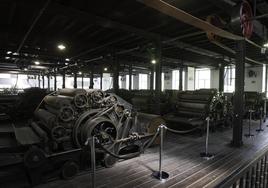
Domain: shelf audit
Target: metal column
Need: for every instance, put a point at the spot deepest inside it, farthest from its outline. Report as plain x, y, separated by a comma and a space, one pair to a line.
221, 77
82, 81
152, 78
91, 79
43, 81
239, 94
75, 80
101, 76
39, 84
180, 80
116, 76
130, 77
158, 72
48, 82
63, 79
55, 82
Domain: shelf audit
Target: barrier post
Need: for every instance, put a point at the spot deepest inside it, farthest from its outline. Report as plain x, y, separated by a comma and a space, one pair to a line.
161, 175
264, 110
249, 125
206, 155
91, 142
260, 128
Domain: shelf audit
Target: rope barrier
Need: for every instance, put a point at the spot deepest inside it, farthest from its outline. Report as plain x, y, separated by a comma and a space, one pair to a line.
181, 132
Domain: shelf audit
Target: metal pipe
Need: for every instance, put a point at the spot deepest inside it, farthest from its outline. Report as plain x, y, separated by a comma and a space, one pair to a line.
93, 161
161, 150
207, 136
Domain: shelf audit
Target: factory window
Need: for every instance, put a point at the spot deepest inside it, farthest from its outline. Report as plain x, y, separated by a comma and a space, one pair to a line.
143, 81
79, 82
107, 81
202, 78
127, 82
263, 77
175, 79
120, 82
96, 83
86, 82
59, 82
69, 83
162, 80
229, 79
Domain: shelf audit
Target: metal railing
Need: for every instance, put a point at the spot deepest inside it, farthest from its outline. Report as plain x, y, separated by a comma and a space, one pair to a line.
253, 174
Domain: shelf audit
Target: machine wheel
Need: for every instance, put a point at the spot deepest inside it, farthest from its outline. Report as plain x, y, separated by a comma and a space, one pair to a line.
34, 157
109, 161
69, 170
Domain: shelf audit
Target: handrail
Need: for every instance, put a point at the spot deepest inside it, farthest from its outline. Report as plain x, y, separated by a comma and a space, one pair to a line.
241, 174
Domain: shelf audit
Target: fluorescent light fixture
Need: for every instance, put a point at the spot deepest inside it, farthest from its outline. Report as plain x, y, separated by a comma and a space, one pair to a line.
153, 61
105, 69
265, 45
67, 59
61, 47
7, 57
80, 73
9, 52
37, 62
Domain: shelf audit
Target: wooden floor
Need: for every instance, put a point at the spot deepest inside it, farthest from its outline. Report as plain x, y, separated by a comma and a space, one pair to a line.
181, 161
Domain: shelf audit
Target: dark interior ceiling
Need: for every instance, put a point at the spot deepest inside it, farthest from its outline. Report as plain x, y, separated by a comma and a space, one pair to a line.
95, 32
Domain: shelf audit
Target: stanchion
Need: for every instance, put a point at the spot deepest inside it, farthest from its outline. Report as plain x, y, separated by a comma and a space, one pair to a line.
206, 155
91, 142
161, 175
249, 125
264, 111
260, 128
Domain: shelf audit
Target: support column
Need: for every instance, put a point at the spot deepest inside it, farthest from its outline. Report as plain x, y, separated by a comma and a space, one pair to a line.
130, 77
91, 84
48, 82
101, 76
75, 80
43, 81
82, 81
239, 95
266, 72
55, 82
63, 79
116, 76
158, 71
39, 84
180, 79
152, 78
221, 77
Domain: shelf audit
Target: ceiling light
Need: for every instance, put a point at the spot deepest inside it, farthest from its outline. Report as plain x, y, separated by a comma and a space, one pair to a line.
153, 61
80, 73
67, 59
25, 69
105, 69
9, 52
61, 47
66, 63
7, 57
37, 62
265, 45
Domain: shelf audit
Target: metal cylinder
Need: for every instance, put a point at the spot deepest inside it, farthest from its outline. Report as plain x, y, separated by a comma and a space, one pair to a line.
207, 136
71, 92
57, 101
93, 161
48, 119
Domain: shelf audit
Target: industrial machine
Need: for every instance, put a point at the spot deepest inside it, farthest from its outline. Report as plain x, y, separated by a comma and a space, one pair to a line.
54, 141
191, 108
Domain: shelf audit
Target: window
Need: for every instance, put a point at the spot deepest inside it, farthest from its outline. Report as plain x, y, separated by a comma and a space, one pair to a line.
107, 81
143, 81
59, 82
175, 79
263, 77
69, 82
127, 82
202, 78
162, 80
96, 83
229, 79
